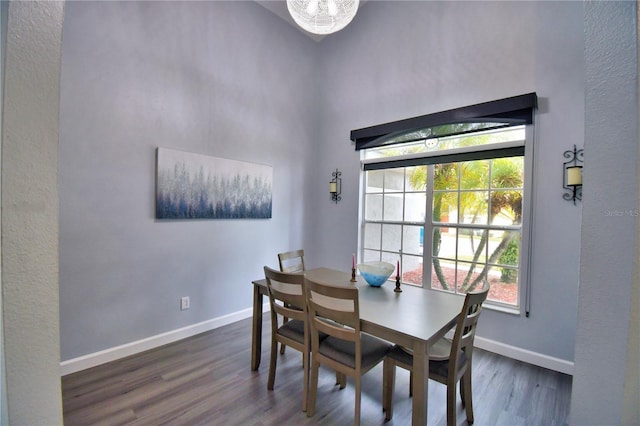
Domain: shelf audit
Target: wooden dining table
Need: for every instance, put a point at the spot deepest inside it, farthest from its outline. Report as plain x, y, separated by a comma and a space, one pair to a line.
414, 318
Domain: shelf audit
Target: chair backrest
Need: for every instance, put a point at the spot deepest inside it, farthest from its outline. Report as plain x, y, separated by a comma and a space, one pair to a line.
334, 311
466, 326
291, 261
288, 289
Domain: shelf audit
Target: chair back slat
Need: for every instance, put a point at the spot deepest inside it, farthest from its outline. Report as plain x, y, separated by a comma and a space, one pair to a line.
333, 310
286, 295
289, 311
339, 304
335, 329
291, 261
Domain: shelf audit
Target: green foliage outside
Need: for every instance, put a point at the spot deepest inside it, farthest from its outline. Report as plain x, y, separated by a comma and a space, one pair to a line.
505, 173
509, 257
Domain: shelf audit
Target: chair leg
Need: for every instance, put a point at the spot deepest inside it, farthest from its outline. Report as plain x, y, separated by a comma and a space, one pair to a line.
313, 388
356, 420
451, 404
388, 385
410, 383
341, 379
272, 365
465, 384
305, 380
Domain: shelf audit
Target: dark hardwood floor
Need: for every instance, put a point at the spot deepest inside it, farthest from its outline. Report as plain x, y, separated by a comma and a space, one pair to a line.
206, 380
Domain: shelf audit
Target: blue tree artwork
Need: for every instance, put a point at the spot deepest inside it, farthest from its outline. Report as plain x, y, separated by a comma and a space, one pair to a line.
196, 186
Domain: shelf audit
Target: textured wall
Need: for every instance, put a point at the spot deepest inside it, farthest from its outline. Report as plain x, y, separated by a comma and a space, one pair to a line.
227, 79
610, 216
30, 213
4, 12
404, 59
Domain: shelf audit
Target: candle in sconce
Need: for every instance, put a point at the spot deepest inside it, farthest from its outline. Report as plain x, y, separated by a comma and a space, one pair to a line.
574, 176
333, 187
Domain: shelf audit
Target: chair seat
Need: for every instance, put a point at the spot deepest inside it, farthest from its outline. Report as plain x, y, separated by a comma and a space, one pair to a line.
372, 349
439, 351
437, 367
294, 330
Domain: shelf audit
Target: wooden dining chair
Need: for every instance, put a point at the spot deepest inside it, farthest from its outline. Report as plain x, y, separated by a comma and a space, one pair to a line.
335, 312
287, 300
291, 261
449, 360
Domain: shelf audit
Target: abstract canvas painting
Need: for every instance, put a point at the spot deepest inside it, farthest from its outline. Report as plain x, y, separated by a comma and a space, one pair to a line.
196, 186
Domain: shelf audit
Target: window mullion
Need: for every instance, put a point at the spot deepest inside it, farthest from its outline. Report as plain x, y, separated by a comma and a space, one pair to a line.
460, 220
427, 244
404, 213
384, 183
489, 221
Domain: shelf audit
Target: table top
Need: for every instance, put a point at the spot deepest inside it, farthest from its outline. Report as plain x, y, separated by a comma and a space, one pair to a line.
415, 313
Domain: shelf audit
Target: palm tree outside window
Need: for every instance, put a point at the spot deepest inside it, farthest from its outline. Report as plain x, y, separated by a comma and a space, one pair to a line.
451, 202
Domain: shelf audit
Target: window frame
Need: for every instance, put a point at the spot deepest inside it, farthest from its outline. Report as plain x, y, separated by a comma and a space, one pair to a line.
490, 151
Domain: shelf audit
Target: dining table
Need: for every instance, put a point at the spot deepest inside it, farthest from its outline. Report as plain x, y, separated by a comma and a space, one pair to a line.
414, 318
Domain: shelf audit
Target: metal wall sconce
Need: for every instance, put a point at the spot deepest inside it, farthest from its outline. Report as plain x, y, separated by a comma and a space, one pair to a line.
335, 186
572, 174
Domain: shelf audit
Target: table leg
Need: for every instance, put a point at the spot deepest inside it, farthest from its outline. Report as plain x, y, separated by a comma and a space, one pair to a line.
256, 333
420, 385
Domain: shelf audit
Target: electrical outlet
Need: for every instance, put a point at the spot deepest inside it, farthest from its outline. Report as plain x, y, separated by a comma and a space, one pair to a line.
184, 303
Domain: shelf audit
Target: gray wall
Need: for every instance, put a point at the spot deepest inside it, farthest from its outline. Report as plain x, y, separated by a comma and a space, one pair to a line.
432, 56
4, 12
226, 79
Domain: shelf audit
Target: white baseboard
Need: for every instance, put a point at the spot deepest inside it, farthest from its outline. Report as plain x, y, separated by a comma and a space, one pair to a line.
530, 357
97, 358
101, 357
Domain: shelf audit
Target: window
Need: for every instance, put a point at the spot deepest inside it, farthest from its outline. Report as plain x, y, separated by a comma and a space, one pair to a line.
450, 208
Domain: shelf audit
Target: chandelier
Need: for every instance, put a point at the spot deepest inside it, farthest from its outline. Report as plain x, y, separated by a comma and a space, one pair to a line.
322, 16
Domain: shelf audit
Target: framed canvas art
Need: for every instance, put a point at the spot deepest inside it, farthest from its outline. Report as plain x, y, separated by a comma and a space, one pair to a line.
196, 186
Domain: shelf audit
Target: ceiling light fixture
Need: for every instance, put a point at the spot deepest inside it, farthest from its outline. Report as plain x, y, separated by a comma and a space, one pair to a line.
322, 16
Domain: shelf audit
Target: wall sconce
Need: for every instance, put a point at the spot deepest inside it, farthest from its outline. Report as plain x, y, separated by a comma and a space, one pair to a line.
572, 174
335, 186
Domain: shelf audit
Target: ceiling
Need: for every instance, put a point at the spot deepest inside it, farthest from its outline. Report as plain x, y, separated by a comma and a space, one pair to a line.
279, 8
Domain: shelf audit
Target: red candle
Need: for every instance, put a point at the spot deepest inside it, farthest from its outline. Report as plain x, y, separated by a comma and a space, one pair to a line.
353, 261
398, 268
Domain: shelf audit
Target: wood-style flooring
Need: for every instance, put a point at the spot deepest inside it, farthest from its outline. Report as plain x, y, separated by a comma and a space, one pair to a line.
206, 380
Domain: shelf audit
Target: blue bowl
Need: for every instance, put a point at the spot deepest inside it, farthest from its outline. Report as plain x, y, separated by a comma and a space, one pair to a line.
376, 273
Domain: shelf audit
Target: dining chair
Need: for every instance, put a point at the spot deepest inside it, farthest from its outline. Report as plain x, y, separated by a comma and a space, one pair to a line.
449, 360
335, 312
291, 261
287, 300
